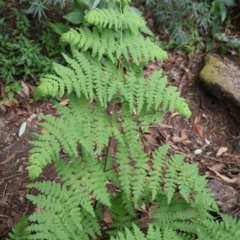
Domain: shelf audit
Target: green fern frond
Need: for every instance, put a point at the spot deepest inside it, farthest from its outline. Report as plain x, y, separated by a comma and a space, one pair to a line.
128, 235
19, 231
149, 117
131, 159
60, 216
131, 46
173, 167
158, 163
125, 171
91, 227
139, 172
59, 211
130, 128
113, 89
122, 212
184, 177
81, 77
130, 89
140, 91
168, 233
205, 199
177, 215
228, 228
182, 107
77, 126
115, 18
154, 233
188, 175
116, 131
85, 177
153, 92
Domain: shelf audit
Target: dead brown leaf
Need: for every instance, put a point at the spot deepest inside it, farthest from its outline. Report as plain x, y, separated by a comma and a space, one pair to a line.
31, 117
107, 218
150, 139
44, 131
224, 178
31, 88
4, 216
8, 159
217, 167
221, 150
174, 114
37, 209
25, 90
64, 102
183, 137
181, 53
190, 76
198, 129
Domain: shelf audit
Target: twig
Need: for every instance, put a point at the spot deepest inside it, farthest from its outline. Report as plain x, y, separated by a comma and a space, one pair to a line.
8, 159
12, 176
4, 216
3, 195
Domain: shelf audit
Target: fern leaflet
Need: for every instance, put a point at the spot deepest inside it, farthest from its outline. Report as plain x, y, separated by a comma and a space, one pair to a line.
115, 18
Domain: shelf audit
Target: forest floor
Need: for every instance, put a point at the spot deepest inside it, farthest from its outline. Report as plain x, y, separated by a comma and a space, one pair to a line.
211, 138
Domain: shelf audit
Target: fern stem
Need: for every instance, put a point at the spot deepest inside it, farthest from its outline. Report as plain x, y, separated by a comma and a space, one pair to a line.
107, 154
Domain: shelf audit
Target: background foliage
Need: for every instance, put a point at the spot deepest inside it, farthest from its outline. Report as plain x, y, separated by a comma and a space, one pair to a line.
185, 20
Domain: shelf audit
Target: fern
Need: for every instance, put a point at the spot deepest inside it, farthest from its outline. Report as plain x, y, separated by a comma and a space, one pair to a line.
19, 231
123, 213
115, 19
158, 160
83, 125
104, 43
84, 180
154, 233
105, 166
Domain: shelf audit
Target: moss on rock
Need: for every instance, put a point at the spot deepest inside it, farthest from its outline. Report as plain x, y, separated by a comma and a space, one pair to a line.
221, 79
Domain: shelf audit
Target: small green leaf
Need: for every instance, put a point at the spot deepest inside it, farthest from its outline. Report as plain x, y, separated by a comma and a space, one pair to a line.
95, 4
2, 20
59, 28
74, 17
210, 45
234, 43
223, 12
85, 3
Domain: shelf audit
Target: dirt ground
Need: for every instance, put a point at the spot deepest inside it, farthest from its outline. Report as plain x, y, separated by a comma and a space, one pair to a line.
211, 138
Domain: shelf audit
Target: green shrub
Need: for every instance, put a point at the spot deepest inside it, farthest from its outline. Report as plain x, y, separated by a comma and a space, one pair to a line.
182, 20
39, 7
110, 101
21, 57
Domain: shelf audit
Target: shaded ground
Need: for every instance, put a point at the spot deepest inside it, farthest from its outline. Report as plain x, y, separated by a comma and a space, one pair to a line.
211, 138
13, 159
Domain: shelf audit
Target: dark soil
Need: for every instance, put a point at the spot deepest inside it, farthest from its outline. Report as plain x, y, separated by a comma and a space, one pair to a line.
13, 159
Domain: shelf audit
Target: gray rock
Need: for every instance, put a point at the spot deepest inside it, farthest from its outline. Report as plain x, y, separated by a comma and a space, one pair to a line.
227, 197
222, 79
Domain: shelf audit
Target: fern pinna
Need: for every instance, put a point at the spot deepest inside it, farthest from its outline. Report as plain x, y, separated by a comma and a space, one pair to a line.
109, 102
